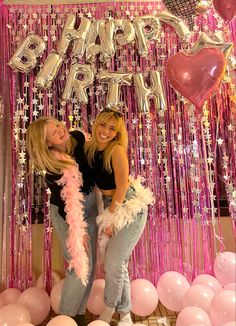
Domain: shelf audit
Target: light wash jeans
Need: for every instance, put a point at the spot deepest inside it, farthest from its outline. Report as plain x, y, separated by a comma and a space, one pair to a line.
117, 283
74, 294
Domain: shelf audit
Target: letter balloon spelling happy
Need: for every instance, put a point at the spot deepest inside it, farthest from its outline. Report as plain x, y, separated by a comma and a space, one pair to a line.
146, 28
179, 26
196, 76
105, 31
69, 34
127, 28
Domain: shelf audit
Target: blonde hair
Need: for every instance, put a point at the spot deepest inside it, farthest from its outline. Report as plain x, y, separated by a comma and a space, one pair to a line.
40, 154
121, 137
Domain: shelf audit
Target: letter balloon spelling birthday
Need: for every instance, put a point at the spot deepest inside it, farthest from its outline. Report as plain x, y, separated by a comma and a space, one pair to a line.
114, 81
196, 76
79, 78
144, 94
25, 57
49, 70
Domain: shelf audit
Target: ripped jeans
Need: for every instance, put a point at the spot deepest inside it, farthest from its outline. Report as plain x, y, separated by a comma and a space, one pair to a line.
74, 294
119, 249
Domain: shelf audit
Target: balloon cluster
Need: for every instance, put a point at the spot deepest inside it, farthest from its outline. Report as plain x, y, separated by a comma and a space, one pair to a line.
207, 301
30, 306
204, 302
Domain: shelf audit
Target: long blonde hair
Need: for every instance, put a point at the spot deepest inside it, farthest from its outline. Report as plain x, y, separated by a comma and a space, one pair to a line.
40, 154
121, 137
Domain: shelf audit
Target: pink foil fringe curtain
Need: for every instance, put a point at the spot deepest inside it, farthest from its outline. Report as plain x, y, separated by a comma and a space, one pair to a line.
183, 153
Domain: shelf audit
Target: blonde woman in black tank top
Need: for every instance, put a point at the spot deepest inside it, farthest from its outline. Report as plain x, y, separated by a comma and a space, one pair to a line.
125, 204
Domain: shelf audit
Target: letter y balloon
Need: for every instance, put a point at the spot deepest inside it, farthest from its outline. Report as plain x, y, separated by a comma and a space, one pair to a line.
197, 76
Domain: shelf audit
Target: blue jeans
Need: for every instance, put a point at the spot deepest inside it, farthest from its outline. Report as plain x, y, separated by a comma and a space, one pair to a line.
119, 249
74, 294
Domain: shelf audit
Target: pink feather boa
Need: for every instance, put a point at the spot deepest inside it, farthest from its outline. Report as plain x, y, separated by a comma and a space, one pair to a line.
71, 181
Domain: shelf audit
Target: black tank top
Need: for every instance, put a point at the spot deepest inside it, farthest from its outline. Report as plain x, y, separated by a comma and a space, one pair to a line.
103, 179
85, 169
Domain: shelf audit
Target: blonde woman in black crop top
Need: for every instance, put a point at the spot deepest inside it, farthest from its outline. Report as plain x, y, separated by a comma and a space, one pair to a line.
60, 155
125, 202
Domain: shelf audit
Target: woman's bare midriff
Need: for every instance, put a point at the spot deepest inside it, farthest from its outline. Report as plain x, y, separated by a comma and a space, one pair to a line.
110, 192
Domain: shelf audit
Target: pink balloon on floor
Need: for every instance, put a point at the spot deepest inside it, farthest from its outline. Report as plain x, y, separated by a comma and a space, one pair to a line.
144, 297
98, 323
199, 296
208, 280
225, 267
171, 288
37, 302
55, 296
192, 315
222, 309
232, 323
1, 302
14, 314
10, 295
62, 321
95, 303
55, 279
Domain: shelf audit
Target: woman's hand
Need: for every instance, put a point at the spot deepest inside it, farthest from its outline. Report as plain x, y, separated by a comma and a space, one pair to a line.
109, 231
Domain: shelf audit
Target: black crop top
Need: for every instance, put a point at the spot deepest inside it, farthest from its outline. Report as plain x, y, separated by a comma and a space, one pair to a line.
85, 169
103, 179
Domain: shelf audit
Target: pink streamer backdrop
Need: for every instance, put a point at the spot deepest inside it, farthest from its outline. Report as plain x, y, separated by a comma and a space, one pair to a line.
177, 151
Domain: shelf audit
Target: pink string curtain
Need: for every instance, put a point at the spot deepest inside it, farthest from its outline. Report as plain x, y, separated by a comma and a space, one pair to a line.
184, 154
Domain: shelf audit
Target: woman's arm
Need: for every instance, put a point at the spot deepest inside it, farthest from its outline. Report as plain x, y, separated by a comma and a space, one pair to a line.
121, 171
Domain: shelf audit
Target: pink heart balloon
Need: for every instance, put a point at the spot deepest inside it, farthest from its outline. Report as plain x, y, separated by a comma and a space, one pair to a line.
225, 8
196, 76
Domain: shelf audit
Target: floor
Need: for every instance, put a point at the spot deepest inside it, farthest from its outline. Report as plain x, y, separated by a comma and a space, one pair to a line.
160, 317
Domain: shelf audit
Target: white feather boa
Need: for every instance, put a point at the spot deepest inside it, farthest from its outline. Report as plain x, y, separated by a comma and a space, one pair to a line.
71, 181
124, 214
